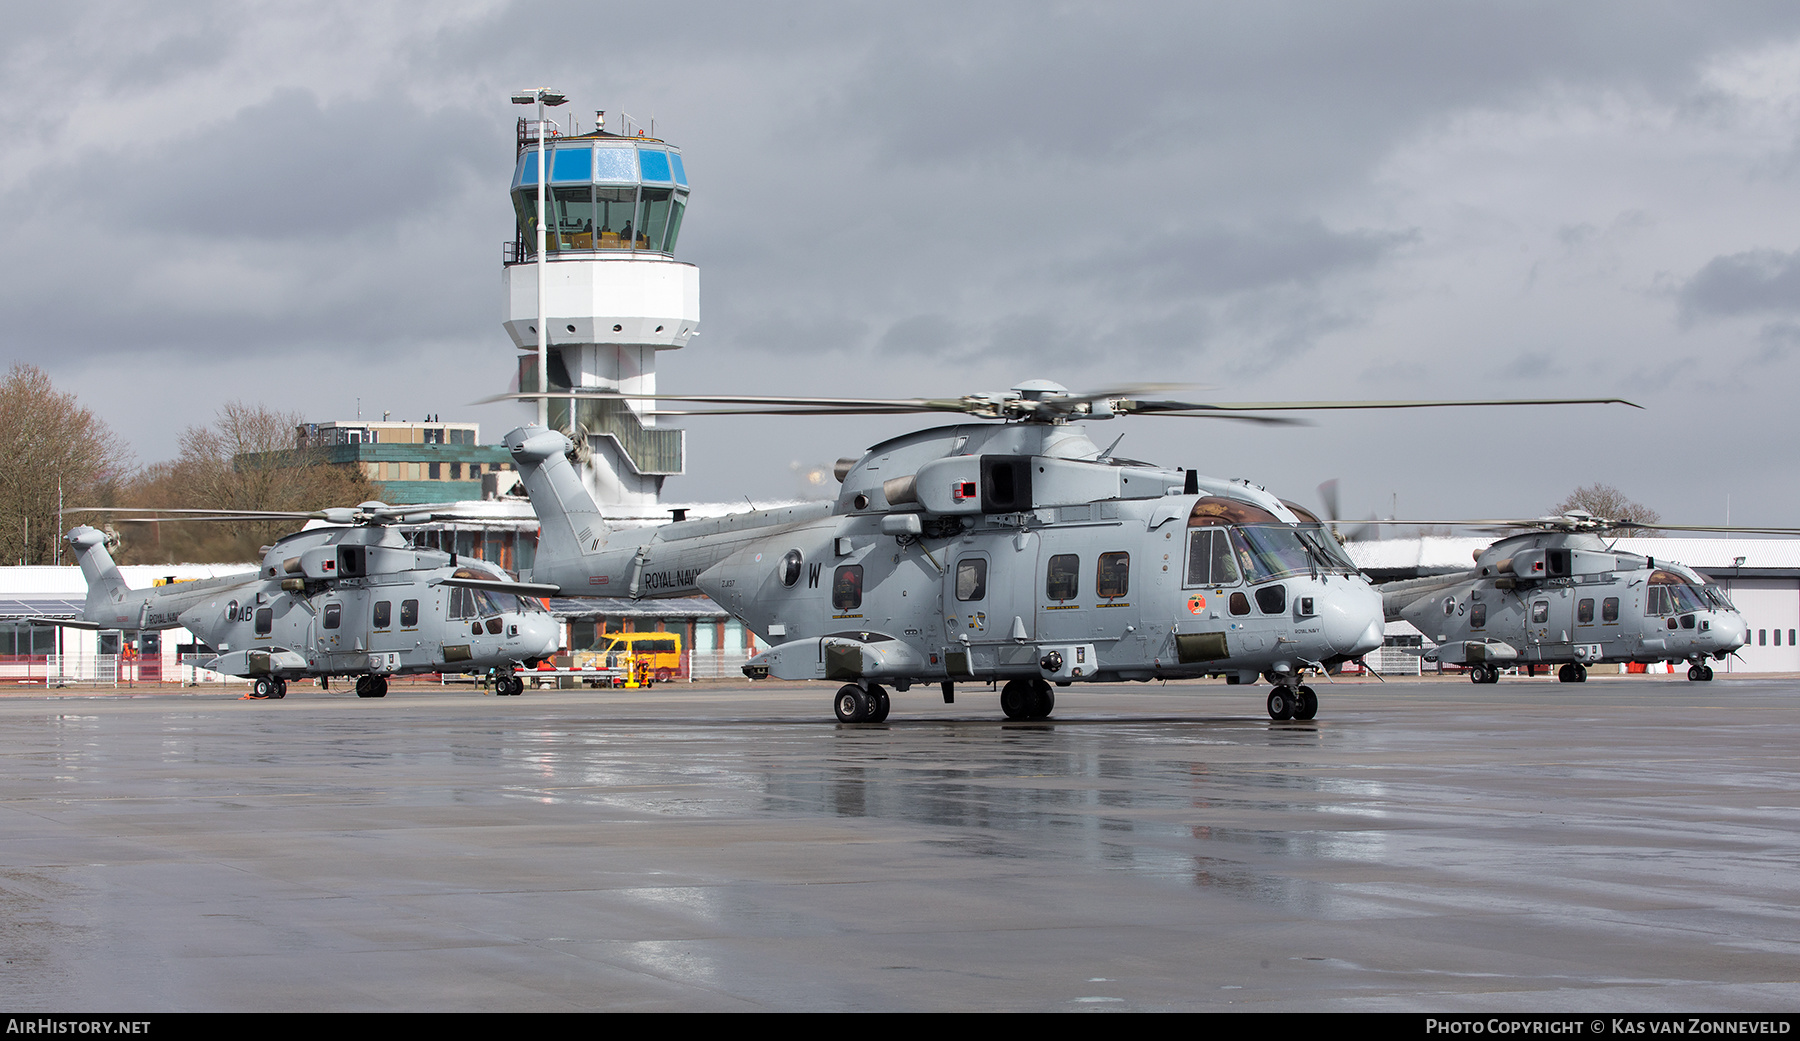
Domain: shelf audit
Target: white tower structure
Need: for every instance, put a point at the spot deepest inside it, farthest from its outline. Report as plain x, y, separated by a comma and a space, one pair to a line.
614, 295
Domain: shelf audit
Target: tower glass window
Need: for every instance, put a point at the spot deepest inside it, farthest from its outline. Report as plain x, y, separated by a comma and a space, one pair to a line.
574, 218
603, 198
653, 218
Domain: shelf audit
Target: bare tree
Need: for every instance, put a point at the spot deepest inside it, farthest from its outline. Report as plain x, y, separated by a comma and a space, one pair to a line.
52, 451
1603, 500
246, 459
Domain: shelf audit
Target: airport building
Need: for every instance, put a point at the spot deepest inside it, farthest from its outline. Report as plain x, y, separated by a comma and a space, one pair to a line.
611, 293
408, 462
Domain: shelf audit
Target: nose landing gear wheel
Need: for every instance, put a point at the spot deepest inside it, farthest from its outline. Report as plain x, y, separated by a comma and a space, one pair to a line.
1700, 672
1282, 702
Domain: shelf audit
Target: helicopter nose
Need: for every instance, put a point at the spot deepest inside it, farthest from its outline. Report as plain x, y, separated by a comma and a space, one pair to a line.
1352, 622
1730, 631
549, 635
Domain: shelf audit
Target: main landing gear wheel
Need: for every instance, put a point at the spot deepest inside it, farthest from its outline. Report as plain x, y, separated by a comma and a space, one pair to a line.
1700, 672
1573, 672
856, 705
264, 688
1015, 699
1307, 704
1484, 674
1027, 699
371, 686
1282, 702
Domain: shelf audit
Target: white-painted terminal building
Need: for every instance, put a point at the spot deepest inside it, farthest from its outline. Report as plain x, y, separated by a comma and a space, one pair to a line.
1762, 577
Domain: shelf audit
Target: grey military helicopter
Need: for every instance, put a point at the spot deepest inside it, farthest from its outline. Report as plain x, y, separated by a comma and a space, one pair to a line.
351, 598
1559, 594
1016, 552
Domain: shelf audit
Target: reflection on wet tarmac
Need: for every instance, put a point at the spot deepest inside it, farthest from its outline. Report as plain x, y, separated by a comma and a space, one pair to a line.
749, 854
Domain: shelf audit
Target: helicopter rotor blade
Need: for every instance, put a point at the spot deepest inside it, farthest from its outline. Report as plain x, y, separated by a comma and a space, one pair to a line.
1582, 523
532, 589
190, 514
344, 515
1204, 408
1328, 494
1024, 403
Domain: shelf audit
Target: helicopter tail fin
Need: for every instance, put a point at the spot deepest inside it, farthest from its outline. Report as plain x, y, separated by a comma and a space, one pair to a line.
570, 524
106, 586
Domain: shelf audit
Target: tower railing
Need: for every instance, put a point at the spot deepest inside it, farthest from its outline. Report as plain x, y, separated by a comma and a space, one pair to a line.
651, 451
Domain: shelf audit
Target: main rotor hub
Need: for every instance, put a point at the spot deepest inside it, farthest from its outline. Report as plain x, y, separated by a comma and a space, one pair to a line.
1040, 390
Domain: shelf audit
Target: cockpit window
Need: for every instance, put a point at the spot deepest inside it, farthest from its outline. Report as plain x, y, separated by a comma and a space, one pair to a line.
1266, 551
1718, 599
1216, 510
1210, 560
1669, 593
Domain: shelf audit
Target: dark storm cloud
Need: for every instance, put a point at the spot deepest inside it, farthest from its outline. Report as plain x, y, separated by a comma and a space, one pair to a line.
1223, 261
906, 198
287, 167
299, 223
1758, 281
961, 83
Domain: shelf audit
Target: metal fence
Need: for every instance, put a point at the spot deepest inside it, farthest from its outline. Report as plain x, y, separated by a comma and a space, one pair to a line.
106, 670
717, 665
1395, 661
59, 669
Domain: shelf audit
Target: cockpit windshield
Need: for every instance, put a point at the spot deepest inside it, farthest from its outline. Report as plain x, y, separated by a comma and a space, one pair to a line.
1266, 551
1230, 541
486, 603
1718, 599
1669, 593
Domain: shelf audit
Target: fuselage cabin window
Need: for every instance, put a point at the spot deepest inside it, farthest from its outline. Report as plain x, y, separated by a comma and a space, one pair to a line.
971, 579
1112, 578
1062, 581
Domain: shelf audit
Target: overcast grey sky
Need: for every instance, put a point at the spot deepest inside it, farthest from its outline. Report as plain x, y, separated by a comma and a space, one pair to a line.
301, 205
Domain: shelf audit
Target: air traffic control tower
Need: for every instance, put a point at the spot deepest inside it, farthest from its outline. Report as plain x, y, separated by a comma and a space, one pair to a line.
614, 295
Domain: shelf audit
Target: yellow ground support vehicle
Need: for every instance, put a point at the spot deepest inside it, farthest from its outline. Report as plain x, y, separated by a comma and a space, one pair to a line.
659, 652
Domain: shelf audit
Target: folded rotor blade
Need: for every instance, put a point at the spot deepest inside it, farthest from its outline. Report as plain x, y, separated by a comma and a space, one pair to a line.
494, 585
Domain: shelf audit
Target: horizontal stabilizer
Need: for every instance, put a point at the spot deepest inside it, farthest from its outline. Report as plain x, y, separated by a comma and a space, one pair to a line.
61, 623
